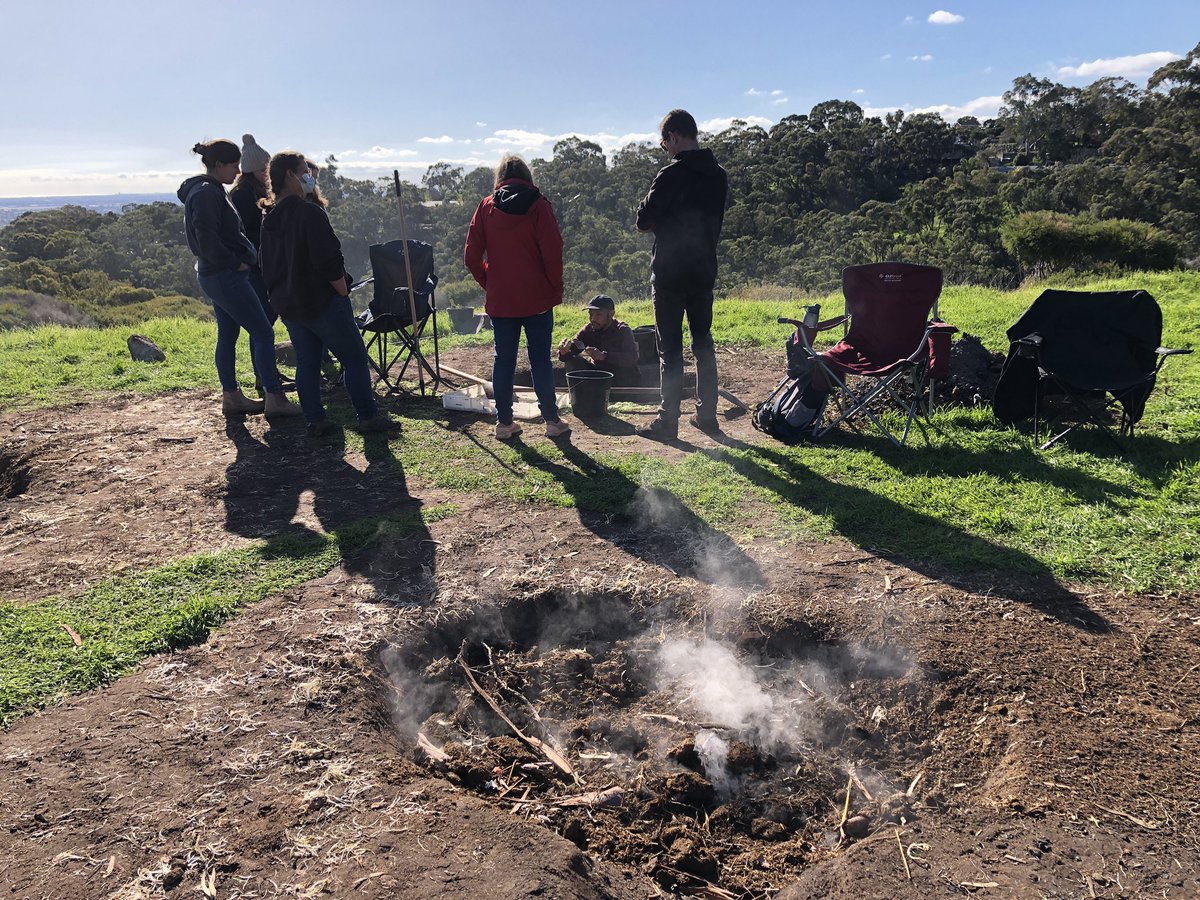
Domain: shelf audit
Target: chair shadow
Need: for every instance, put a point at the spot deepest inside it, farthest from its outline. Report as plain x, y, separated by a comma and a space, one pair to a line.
650, 523
377, 524
897, 533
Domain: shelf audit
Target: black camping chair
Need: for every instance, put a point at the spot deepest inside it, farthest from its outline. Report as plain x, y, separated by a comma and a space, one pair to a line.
1090, 352
388, 318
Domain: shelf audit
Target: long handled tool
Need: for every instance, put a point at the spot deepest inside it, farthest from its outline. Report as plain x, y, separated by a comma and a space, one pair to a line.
412, 296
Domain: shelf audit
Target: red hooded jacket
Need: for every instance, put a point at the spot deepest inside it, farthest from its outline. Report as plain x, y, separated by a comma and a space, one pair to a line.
515, 251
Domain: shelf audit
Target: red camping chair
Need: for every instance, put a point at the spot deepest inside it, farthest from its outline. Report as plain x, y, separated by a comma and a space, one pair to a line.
896, 348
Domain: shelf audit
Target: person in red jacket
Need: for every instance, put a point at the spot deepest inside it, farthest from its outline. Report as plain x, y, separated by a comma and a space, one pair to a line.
515, 251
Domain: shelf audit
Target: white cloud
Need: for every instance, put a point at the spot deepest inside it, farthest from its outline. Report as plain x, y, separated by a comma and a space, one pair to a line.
924, 57
909, 20
753, 92
444, 139
481, 124
941, 17
859, 91
375, 152
778, 100
886, 57
713, 126
776, 93
1125, 66
980, 107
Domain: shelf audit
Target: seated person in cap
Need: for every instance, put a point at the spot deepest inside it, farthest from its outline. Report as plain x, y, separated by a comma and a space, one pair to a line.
603, 343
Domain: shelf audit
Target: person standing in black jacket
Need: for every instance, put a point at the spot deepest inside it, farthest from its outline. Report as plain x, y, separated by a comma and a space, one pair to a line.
224, 259
684, 208
308, 287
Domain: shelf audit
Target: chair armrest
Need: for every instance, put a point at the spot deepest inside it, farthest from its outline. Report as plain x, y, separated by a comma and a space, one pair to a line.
1167, 351
832, 323
1029, 346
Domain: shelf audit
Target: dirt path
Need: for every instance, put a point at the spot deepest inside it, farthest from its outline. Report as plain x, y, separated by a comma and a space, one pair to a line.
1021, 740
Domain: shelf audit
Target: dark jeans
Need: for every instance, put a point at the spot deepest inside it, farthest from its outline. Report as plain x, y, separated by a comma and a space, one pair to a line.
669, 309
538, 331
236, 306
336, 331
260, 288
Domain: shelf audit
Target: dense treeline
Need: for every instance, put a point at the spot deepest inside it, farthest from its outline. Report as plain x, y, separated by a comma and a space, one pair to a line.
1096, 178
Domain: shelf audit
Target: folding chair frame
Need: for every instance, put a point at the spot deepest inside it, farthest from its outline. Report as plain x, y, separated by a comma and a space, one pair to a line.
1078, 399
382, 358
851, 403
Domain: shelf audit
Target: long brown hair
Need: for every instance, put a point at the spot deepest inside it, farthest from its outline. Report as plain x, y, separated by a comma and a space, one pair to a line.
250, 180
277, 170
315, 196
512, 166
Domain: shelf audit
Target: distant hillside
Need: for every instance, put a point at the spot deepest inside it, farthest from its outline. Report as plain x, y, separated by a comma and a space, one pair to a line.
11, 207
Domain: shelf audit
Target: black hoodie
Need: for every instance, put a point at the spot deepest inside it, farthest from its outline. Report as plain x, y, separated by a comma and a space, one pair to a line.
214, 229
685, 208
300, 256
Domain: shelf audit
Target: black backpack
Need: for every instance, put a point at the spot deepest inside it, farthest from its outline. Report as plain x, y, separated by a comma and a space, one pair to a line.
792, 409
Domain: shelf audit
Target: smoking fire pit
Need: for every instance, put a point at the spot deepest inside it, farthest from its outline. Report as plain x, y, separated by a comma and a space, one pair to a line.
699, 759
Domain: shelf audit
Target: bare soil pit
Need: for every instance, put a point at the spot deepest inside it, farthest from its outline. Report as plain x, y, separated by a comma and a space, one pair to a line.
696, 760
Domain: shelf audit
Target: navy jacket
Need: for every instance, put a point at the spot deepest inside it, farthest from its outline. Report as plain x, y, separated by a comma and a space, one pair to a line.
214, 229
685, 208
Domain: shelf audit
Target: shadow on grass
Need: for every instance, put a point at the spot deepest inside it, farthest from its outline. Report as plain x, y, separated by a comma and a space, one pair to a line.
650, 523
377, 524
918, 541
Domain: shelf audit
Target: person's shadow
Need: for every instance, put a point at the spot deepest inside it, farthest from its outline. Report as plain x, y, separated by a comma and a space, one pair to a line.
913, 539
296, 492
649, 523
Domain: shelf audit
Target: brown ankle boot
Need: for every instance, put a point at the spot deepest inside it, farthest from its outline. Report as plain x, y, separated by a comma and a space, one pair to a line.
278, 406
235, 403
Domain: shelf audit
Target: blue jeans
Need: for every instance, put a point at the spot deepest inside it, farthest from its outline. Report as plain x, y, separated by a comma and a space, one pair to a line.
260, 288
336, 331
538, 331
236, 306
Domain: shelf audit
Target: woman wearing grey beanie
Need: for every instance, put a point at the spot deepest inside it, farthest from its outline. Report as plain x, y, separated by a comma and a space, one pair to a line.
250, 187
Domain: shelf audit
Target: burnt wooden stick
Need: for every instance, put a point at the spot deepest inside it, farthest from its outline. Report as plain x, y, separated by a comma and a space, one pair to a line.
540, 746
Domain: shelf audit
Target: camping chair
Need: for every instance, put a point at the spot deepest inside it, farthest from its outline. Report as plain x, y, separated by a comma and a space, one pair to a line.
894, 347
1090, 352
389, 316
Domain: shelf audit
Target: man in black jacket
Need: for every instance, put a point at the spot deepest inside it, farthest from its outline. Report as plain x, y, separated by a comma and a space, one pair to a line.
684, 208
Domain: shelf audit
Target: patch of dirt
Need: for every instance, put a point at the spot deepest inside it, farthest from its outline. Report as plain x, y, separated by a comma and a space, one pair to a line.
14, 472
781, 719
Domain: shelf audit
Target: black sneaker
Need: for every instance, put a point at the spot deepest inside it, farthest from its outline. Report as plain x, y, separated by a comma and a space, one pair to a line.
706, 424
321, 428
380, 423
660, 430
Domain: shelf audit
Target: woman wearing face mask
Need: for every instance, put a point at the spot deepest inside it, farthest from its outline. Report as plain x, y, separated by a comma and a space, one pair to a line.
308, 286
224, 259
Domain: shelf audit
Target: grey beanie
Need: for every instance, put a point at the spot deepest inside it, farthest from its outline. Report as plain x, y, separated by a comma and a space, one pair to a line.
254, 157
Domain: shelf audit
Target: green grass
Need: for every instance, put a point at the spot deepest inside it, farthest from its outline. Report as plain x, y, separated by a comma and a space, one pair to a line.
971, 498
124, 619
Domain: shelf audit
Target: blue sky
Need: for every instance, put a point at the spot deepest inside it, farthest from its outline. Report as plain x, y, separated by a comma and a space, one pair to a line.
109, 97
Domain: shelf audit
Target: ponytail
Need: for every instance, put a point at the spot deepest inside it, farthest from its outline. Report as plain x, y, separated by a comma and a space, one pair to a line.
217, 153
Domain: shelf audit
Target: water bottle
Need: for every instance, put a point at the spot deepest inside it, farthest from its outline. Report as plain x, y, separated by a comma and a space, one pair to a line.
812, 315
